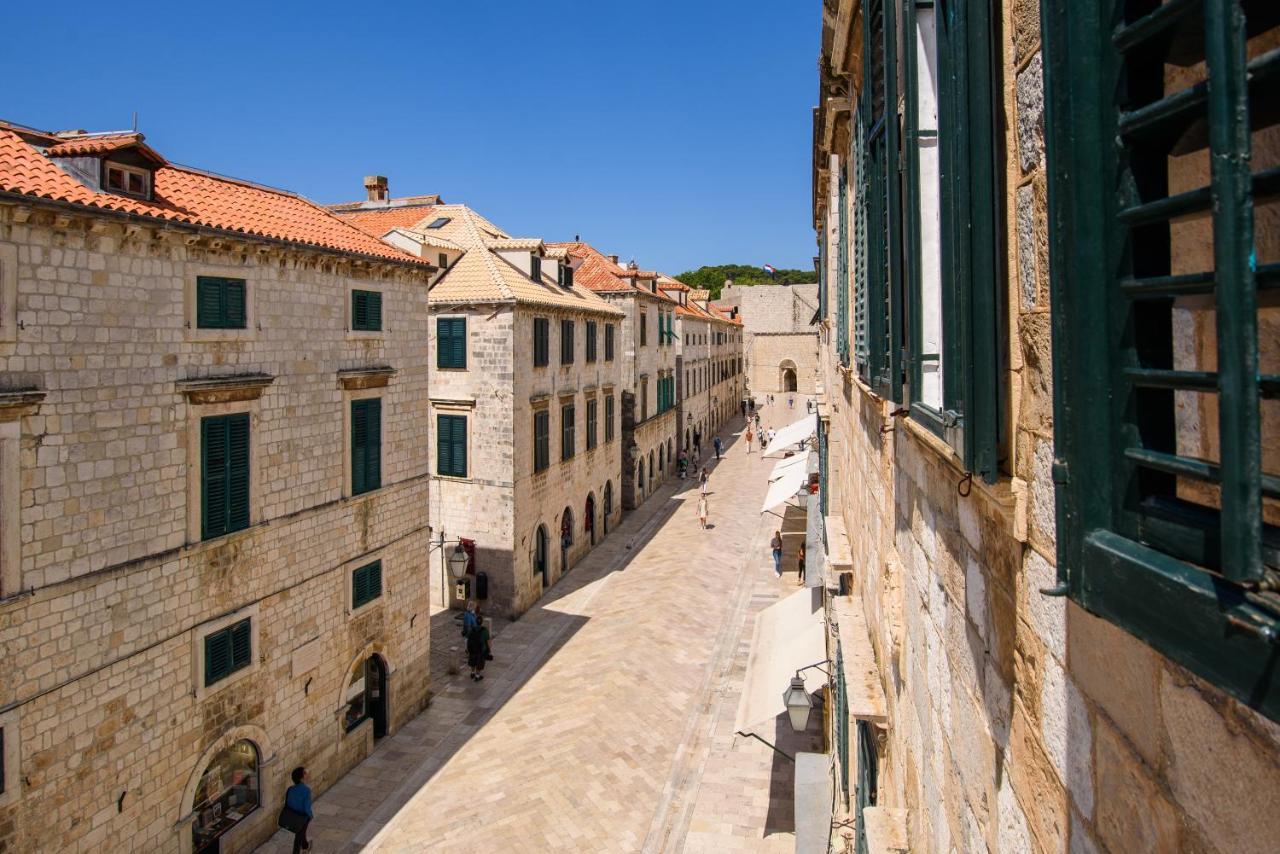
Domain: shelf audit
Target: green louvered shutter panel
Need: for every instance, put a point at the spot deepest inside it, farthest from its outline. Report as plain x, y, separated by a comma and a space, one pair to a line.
213, 477
451, 342
366, 311
451, 445
366, 584
208, 302
237, 472
217, 656
234, 310
366, 445
842, 269
241, 646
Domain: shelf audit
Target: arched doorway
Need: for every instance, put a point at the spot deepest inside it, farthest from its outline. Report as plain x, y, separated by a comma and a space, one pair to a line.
608, 504
367, 696
541, 548
662, 459
566, 538
230, 788
589, 519
787, 375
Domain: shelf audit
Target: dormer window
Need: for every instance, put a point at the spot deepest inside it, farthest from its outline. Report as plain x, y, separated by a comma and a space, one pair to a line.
566, 276
535, 268
129, 180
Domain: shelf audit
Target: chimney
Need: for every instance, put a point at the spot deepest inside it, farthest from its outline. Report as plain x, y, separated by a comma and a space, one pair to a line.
613, 259
376, 187
728, 283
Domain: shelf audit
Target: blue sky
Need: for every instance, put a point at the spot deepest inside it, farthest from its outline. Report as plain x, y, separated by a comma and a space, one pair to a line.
677, 133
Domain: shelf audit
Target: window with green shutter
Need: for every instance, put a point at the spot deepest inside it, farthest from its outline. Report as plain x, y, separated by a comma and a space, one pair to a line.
644, 326
366, 584
451, 445
591, 423
366, 445
220, 303
541, 342
608, 342
366, 311
568, 418
842, 268
451, 342
1168, 497
566, 342
226, 651
954, 342
608, 418
535, 268
224, 474
541, 440
591, 340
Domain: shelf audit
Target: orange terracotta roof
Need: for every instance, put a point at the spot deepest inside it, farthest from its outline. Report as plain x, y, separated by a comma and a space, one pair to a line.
600, 274
376, 223
101, 144
192, 197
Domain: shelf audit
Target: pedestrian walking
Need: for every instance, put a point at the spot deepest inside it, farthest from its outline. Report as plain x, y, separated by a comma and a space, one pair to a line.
296, 815
697, 444
684, 465
800, 565
791, 402
469, 617
776, 544
716, 444
772, 433
702, 511
478, 649
703, 480
744, 409
750, 436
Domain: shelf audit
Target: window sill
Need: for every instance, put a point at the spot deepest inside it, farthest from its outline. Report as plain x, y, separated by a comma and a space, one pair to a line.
366, 335
454, 478
361, 610
1005, 499
210, 335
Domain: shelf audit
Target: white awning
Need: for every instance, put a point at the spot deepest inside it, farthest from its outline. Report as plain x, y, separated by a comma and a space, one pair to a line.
791, 435
780, 468
788, 636
785, 487
813, 802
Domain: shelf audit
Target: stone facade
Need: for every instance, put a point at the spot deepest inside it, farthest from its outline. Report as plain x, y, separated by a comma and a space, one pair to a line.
1013, 721
108, 725
780, 342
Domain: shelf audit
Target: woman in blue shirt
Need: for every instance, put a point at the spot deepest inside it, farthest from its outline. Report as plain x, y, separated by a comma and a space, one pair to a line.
298, 799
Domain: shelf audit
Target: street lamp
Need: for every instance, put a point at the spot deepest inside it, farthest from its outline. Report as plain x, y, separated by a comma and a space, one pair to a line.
798, 703
458, 562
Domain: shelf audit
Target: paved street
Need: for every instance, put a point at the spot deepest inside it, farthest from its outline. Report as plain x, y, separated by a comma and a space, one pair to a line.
605, 722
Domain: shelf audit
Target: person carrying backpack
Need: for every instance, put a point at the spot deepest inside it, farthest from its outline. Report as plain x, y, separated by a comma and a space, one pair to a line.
478, 649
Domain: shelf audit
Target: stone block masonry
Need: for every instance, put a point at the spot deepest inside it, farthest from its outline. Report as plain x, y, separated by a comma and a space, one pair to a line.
106, 718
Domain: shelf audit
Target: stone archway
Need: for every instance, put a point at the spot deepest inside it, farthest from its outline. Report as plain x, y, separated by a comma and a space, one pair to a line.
787, 376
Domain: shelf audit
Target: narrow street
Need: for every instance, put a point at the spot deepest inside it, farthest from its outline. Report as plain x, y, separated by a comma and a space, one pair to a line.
605, 722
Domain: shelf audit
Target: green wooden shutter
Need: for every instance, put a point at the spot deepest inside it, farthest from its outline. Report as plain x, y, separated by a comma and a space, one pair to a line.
451, 342
842, 269
220, 303
217, 656
366, 445
541, 341
224, 474
366, 311
1154, 533
366, 584
451, 445
234, 296
241, 645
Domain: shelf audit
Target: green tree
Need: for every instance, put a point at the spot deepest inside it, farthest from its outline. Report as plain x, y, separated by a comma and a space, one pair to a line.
712, 278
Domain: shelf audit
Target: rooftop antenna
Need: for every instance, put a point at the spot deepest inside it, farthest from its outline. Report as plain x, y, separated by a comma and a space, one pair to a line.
135, 121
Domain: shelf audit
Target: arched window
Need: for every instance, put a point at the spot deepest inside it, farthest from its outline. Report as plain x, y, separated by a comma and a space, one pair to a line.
229, 790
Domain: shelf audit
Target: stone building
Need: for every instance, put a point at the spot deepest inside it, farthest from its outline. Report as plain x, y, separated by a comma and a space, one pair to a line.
648, 352
213, 497
526, 399
1050, 624
703, 365
781, 342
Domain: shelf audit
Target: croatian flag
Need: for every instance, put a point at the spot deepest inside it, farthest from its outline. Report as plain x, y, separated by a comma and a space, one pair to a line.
770, 269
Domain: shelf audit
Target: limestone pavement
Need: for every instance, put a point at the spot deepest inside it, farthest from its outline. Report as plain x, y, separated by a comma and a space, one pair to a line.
605, 721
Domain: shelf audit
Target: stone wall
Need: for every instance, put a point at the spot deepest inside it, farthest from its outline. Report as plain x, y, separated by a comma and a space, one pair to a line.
769, 353
103, 704
1018, 721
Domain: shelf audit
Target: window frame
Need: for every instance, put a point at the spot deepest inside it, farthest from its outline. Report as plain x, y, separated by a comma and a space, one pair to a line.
969, 211
240, 631
610, 408
126, 170
591, 343
593, 409
609, 342
452, 419
1118, 556
449, 331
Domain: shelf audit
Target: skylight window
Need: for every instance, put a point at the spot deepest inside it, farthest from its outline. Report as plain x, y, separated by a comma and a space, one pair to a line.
128, 179
439, 222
